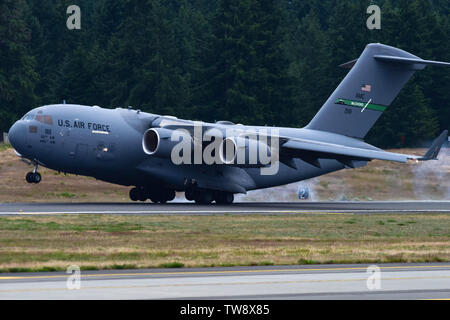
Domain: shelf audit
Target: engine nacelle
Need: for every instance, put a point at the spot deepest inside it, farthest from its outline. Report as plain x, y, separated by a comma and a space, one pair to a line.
158, 142
245, 152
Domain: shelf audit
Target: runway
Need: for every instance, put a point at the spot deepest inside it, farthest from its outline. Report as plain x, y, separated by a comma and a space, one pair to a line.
394, 281
270, 208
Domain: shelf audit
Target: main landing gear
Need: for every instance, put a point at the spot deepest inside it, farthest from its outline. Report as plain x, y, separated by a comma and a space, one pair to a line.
203, 196
156, 196
34, 176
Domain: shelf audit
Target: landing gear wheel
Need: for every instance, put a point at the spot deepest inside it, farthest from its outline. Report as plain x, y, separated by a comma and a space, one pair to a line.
189, 194
171, 194
37, 177
162, 195
143, 195
33, 177
138, 194
134, 194
224, 198
29, 177
204, 197
154, 198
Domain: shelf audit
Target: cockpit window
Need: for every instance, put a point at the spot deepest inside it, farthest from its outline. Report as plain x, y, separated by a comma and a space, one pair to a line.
28, 117
44, 119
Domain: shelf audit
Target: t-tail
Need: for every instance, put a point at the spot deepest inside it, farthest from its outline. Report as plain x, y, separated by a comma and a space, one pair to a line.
373, 82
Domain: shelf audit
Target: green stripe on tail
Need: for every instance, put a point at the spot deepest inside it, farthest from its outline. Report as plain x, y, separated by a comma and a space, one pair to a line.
361, 105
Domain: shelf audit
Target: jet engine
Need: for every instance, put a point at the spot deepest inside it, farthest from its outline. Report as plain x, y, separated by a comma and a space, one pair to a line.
244, 152
160, 142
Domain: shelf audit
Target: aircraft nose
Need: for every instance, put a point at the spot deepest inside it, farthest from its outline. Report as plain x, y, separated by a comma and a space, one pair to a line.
16, 136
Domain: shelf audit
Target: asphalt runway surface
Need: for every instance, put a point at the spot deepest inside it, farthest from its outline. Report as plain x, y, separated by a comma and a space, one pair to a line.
394, 281
300, 207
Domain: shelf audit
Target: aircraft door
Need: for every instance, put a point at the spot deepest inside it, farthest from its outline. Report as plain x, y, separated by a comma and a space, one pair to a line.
80, 156
74, 148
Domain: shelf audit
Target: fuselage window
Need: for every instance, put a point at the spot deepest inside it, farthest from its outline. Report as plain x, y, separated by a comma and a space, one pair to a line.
33, 129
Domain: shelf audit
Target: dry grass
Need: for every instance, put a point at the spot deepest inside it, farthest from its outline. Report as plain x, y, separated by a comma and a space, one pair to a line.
54, 187
99, 242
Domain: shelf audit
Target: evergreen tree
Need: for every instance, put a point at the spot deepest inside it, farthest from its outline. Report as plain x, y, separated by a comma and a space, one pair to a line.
249, 61
309, 67
17, 67
245, 67
412, 122
140, 63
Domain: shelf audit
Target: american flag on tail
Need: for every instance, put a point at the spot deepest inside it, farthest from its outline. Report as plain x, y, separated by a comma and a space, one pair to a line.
366, 88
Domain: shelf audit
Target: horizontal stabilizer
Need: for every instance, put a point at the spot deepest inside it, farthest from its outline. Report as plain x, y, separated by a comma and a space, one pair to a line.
395, 59
435, 148
405, 60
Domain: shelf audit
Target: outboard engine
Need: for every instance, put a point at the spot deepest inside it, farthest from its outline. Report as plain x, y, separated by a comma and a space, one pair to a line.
244, 152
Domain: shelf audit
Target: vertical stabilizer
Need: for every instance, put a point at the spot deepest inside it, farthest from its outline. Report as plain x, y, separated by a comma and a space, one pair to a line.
375, 79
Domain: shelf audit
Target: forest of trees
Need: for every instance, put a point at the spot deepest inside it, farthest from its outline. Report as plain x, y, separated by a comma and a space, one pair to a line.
248, 61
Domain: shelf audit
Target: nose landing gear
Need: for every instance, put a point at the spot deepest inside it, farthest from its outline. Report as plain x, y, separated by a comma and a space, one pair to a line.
33, 177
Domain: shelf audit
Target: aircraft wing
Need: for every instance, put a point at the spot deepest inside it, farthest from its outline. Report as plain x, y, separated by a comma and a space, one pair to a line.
311, 151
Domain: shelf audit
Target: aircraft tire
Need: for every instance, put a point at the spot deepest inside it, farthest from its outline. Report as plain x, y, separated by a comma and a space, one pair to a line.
189, 195
164, 196
154, 199
155, 196
29, 177
134, 194
36, 177
224, 198
142, 195
171, 194
204, 197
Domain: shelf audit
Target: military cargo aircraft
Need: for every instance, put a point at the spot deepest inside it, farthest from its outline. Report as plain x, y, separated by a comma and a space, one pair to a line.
211, 162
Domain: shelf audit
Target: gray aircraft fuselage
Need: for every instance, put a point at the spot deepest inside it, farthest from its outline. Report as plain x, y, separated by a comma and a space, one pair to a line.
107, 144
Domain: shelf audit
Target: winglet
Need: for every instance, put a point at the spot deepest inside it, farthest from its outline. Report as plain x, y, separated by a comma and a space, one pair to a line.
433, 152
